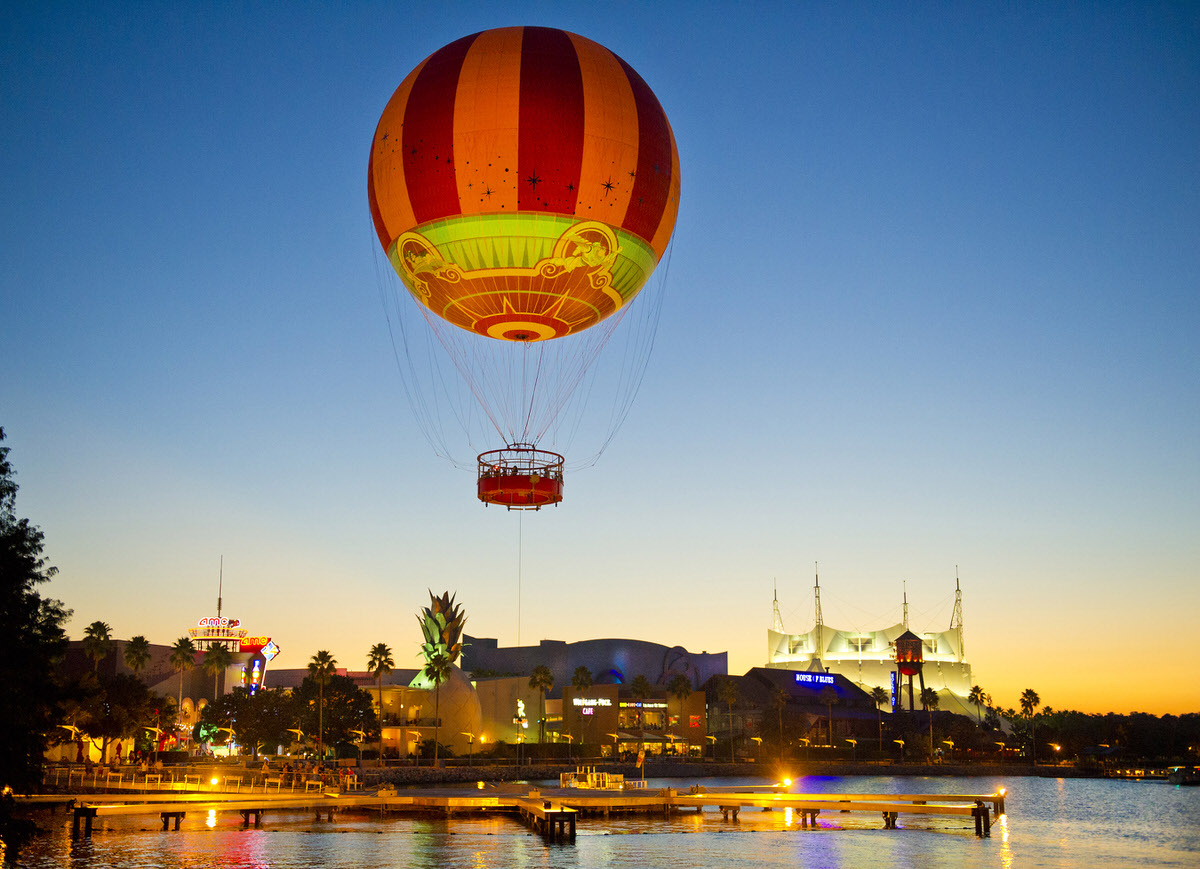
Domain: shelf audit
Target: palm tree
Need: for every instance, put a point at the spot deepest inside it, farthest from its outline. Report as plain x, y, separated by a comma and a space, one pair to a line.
437, 670
779, 701
829, 697
97, 640
929, 702
541, 680
183, 658
581, 681
137, 654
880, 695
639, 688
321, 667
217, 660
1030, 701
976, 698
729, 695
680, 687
379, 663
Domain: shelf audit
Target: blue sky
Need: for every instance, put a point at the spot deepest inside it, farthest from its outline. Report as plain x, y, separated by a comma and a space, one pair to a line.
932, 301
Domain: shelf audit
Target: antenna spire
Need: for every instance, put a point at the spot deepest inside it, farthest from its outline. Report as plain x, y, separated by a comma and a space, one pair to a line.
820, 650
956, 620
775, 606
220, 585
906, 604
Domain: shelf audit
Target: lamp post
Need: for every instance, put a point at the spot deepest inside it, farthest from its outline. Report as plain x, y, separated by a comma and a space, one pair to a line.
362, 737
470, 746
807, 743
570, 742
157, 733
757, 740
853, 750
900, 742
1000, 747
713, 740
950, 742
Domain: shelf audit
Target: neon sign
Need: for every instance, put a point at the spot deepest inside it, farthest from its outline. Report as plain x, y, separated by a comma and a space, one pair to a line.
253, 644
814, 678
591, 701
643, 704
218, 622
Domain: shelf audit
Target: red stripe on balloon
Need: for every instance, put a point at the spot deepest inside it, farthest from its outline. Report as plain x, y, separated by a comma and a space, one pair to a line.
652, 185
550, 144
429, 134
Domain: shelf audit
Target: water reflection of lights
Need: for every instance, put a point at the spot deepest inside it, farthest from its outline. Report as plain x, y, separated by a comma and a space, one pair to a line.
787, 816
211, 820
1006, 854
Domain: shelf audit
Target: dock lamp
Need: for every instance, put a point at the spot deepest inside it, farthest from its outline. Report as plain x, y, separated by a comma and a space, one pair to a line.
853, 750
900, 742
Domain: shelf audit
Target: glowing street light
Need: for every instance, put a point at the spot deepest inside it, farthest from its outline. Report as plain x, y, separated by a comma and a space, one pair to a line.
949, 742
470, 746
853, 750
900, 742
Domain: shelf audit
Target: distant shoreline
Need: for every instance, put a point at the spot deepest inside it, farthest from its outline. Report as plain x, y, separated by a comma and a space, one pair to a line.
422, 775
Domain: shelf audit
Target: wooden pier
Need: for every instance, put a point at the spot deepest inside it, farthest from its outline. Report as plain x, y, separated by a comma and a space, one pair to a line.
551, 812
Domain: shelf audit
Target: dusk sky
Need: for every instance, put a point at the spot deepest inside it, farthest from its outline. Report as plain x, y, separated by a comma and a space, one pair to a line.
932, 302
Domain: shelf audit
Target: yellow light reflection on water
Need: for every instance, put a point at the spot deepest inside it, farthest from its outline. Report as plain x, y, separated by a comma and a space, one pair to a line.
211, 820
787, 816
1006, 854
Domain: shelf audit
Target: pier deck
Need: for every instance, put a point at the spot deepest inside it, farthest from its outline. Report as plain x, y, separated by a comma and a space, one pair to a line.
552, 812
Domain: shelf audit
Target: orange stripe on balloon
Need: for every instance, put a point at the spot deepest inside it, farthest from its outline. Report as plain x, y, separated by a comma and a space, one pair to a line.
386, 187
485, 122
610, 135
667, 225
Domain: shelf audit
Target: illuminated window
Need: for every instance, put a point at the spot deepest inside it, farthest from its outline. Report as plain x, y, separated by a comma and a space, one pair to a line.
694, 721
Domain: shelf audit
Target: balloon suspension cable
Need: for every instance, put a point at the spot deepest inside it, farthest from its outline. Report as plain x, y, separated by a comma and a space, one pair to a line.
520, 547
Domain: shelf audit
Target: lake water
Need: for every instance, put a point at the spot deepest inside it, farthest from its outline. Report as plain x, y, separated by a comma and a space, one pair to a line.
1050, 822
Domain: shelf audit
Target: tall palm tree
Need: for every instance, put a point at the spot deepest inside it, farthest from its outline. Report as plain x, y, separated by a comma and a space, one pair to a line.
639, 688
380, 663
680, 687
929, 702
437, 670
880, 695
976, 698
829, 697
729, 695
581, 681
541, 680
217, 660
97, 640
137, 654
321, 667
183, 658
1030, 701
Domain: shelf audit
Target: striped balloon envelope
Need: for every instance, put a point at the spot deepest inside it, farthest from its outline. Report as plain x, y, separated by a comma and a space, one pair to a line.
524, 183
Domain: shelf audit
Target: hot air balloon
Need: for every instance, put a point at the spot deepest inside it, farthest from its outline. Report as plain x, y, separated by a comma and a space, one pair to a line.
524, 184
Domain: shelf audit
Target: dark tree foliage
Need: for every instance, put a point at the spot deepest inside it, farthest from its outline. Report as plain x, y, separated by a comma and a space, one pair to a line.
260, 721
347, 708
117, 707
31, 646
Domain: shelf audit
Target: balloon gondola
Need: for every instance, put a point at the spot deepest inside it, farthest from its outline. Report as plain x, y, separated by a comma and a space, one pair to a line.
524, 184
520, 477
